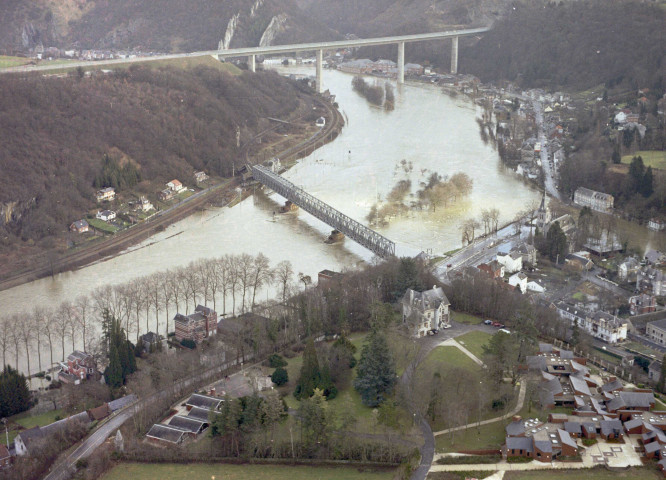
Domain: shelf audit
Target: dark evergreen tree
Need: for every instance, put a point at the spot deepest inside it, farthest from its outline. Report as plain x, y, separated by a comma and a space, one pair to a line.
376, 371
280, 376
310, 374
113, 374
646, 185
408, 276
14, 393
122, 360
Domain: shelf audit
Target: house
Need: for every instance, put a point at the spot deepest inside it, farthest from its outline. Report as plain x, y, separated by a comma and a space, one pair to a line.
512, 261
189, 424
650, 279
656, 224
425, 311
27, 440
413, 69
642, 303
363, 65
200, 177
579, 261
175, 186
654, 371
106, 215
611, 429
106, 194
5, 457
196, 326
656, 331
80, 366
166, 195
80, 226
628, 269
151, 341
641, 400
600, 325
145, 205
528, 252
494, 269
599, 201
519, 280
567, 444
535, 287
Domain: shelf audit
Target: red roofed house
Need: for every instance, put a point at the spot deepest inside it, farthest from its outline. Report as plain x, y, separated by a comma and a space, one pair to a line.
175, 185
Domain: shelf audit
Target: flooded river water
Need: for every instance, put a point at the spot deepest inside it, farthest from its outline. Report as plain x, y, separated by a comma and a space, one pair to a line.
427, 129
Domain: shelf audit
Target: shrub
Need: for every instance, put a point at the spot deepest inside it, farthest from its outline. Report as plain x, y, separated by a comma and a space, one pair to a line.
276, 361
588, 442
519, 459
280, 376
469, 459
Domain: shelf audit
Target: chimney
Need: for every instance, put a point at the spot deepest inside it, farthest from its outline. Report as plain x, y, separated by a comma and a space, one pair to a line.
517, 418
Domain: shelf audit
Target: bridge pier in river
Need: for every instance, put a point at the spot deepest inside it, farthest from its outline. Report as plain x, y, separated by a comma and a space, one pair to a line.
318, 85
454, 55
401, 62
251, 63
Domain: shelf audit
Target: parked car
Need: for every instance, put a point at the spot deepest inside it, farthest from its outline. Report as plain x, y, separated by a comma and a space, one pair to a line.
447, 326
497, 324
488, 322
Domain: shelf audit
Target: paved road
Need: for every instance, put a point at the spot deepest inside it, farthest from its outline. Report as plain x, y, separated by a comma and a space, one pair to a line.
548, 174
65, 469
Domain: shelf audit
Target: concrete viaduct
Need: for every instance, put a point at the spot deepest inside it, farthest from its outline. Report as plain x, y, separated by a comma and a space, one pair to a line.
318, 48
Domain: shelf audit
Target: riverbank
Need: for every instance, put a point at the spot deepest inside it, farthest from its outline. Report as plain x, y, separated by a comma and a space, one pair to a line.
50, 263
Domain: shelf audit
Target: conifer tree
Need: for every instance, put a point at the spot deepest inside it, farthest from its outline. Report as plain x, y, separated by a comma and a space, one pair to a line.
376, 371
310, 374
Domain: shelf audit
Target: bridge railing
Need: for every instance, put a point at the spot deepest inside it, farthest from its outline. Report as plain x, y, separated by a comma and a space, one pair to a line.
373, 241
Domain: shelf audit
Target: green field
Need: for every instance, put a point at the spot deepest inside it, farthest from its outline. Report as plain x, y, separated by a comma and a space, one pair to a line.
29, 421
474, 342
139, 471
642, 473
466, 318
6, 61
651, 158
452, 357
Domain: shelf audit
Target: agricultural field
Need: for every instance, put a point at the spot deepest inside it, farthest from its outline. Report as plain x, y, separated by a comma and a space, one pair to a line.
633, 473
139, 471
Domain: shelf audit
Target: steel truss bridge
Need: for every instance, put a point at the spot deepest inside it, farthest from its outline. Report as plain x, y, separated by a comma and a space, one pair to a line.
368, 238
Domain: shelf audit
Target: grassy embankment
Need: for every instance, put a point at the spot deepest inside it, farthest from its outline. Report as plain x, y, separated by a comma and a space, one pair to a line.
139, 471
651, 158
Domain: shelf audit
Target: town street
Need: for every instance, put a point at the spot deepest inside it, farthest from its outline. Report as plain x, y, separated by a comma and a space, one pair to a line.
548, 179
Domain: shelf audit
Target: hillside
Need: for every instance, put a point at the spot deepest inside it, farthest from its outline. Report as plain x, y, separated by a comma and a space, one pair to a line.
166, 122
579, 45
164, 26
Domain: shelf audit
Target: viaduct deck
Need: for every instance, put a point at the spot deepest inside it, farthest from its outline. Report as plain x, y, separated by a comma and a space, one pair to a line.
368, 238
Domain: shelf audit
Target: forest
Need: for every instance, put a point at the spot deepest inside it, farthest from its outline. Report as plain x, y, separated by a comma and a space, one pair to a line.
573, 44
166, 123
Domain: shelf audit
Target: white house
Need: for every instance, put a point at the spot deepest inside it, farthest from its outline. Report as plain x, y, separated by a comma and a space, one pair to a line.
106, 215
602, 325
628, 269
519, 280
175, 185
535, 287
512, 261
425, 311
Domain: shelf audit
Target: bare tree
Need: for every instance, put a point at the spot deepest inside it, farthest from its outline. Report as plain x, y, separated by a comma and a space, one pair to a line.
84, 309
494, 218
167, 295
261, 274
5, 338
137, 301
234, 281
202, 271
15, 336
49, 326
223, 273
24, 330
284, 273
39, 318
61, 325
486, 219
190, 286
245, 266
155, 294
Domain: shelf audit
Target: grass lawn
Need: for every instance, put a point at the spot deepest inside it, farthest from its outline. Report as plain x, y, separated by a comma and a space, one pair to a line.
474, 342
452, 357
6, 61
139, 471
466, 318
29, 421
458, 475
653, 158
489, 436
102, 226
642, 473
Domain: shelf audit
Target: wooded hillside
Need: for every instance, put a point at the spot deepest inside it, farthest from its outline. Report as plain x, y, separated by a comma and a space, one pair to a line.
575, 44
167, 122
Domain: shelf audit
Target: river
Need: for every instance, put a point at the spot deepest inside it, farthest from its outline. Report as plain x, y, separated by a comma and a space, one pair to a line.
427, 129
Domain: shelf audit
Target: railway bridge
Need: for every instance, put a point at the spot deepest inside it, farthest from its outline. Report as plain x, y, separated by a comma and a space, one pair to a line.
364, 236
